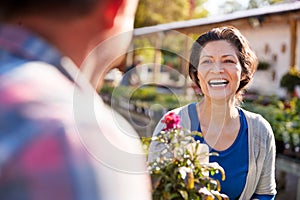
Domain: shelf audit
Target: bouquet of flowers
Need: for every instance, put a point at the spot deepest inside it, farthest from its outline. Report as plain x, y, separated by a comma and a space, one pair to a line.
182, 169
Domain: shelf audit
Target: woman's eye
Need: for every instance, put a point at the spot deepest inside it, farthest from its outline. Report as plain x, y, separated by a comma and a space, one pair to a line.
229, 61
206, 61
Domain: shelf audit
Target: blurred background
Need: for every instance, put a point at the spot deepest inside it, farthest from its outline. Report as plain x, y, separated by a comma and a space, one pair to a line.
153, 79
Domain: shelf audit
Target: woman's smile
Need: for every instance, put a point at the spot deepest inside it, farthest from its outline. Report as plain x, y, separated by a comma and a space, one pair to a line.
218, 83
219, 70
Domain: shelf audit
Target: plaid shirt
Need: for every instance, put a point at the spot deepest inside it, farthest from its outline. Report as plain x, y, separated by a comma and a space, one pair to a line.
37, 158
54, 145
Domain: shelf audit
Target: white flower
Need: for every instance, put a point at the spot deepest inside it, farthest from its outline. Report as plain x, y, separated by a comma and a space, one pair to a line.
200, 150
184, 170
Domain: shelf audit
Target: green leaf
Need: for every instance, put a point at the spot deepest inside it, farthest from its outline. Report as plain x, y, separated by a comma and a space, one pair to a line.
184, 194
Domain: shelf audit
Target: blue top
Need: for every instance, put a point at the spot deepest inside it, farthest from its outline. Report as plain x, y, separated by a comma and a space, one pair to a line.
234, 159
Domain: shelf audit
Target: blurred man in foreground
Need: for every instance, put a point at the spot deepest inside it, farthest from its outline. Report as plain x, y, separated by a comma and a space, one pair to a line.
58, 139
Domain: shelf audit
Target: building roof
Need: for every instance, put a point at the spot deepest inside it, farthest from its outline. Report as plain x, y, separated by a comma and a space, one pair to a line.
232, 19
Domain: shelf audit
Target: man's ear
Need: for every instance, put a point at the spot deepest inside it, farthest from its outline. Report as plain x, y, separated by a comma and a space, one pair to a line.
110, 11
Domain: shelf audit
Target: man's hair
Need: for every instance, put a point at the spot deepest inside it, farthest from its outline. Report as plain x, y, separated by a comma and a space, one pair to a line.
15, 8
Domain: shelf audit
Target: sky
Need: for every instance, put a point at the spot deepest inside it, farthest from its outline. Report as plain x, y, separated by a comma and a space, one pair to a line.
213, 6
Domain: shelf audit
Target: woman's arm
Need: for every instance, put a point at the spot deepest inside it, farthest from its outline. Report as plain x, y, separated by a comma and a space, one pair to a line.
262, 197
267, 184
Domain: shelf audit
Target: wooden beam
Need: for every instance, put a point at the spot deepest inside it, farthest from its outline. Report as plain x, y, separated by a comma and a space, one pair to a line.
184, 68
157, 56
293, 42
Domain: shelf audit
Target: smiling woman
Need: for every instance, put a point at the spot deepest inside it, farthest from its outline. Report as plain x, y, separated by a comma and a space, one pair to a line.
220, 47
221, 65
219, 71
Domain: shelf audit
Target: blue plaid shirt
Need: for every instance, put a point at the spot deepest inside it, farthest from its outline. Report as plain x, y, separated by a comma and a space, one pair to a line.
37, 158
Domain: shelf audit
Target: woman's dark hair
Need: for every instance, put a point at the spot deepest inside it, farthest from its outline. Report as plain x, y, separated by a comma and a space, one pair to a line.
246, 56
14, 8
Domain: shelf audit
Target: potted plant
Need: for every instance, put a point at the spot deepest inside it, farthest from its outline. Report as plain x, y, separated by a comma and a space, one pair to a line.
181, 171
290, 80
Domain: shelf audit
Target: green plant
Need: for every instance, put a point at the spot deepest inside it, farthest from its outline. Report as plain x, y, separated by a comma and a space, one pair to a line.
272, 111
284, 118
169, 101
262, 65
106, 89
182, 175
290, 79
292, 119
122, 92
144, 94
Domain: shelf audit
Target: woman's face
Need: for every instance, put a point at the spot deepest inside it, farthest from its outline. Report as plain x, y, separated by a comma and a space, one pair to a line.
219, 70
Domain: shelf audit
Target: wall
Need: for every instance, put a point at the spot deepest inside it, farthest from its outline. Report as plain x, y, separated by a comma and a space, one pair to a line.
271, 44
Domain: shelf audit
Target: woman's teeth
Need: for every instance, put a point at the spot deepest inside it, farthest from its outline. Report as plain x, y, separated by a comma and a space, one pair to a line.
218, 83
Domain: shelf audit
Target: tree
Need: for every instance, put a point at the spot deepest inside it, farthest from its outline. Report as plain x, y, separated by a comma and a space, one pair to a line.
153, 12
231, 6
261, 3
197, 9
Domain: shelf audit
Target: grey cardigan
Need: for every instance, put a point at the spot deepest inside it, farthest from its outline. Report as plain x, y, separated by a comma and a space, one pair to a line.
262, 151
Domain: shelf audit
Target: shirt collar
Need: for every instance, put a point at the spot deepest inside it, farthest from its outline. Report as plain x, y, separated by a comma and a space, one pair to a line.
24, 44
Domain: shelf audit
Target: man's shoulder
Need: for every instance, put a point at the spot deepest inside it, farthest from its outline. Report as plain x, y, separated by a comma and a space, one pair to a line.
33, 92
36, 80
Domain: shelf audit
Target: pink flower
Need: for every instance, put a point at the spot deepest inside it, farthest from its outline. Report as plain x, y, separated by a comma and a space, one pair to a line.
172, 121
